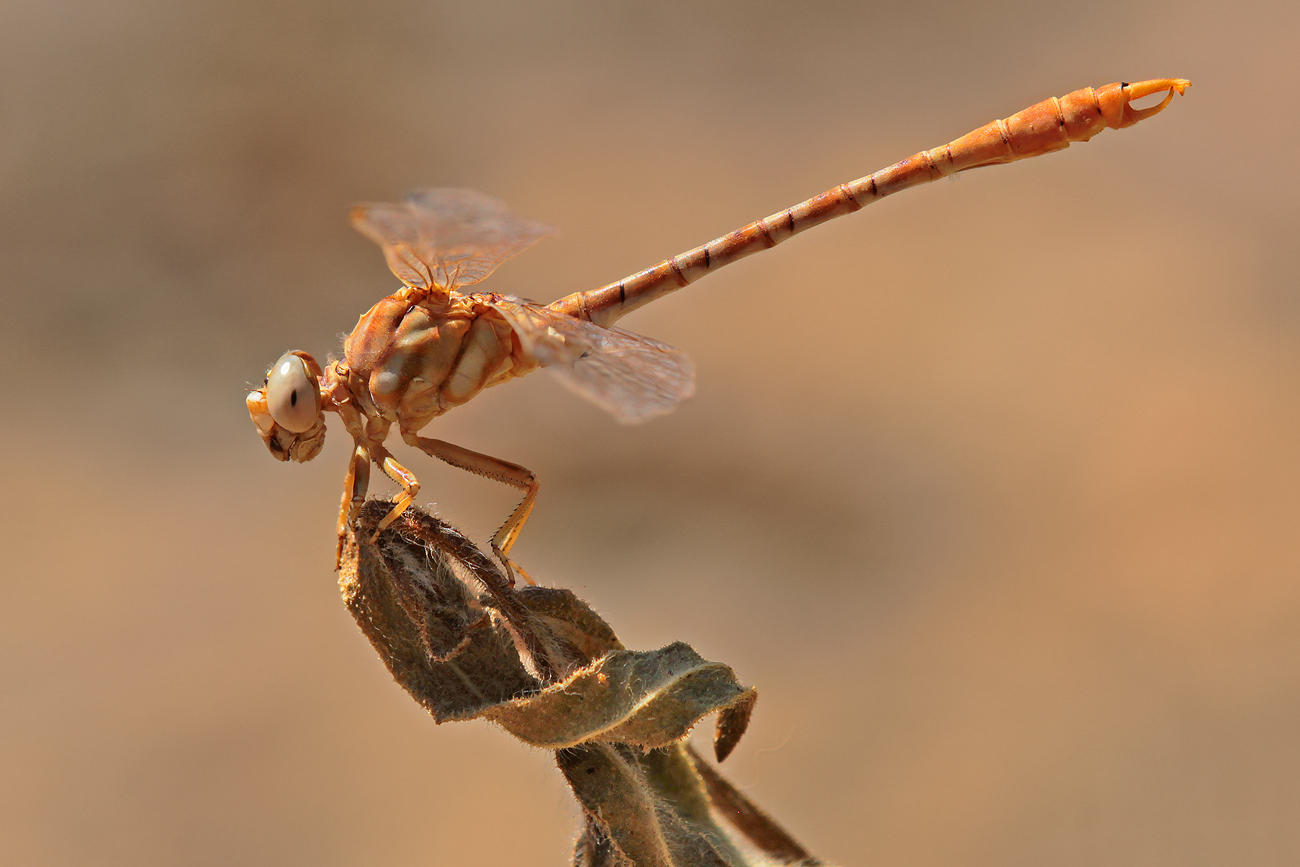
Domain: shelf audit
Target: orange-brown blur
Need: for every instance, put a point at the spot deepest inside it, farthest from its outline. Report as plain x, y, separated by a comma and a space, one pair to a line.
991, 489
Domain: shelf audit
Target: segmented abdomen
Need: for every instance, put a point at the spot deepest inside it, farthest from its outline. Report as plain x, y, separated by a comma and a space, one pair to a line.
1048, 126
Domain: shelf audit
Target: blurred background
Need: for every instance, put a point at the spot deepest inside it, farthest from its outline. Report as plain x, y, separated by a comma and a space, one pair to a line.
990, 489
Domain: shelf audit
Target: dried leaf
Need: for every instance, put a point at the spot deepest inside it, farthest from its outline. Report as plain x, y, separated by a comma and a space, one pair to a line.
752, 823
570, 622
420, 549
645, 698
465, 643
732, 723
483, 670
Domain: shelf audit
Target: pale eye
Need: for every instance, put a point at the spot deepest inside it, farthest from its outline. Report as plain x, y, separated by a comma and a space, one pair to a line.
292, 395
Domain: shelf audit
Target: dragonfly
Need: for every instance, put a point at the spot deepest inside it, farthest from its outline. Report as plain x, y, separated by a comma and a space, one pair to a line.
430, 347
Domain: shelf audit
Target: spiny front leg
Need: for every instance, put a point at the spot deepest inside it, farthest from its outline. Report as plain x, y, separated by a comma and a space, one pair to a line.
505, 472
355, 485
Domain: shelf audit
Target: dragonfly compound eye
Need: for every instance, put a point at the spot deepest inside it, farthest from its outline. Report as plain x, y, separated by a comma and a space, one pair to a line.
292, 394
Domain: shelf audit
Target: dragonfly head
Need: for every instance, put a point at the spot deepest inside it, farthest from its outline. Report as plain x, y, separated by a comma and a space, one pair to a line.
287, 408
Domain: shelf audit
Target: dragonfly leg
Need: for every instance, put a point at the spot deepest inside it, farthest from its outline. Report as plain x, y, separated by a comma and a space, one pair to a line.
496, 469
355, 485
399, 474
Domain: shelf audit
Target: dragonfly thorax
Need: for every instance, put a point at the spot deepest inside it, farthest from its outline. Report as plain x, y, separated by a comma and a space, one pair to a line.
410, 362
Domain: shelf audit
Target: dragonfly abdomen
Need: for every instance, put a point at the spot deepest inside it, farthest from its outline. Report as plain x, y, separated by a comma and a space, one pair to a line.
1050, 125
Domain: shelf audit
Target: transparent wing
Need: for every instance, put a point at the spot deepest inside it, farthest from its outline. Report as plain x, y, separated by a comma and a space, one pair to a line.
442, 239
631, 376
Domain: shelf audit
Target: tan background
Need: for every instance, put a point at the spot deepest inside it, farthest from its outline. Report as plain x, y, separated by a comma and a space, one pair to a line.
991, 490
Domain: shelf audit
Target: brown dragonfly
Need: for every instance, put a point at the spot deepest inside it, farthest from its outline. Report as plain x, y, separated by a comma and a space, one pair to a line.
429, 347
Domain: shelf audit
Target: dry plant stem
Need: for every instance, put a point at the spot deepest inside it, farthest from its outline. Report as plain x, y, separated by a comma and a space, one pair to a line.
652, 812
545, 667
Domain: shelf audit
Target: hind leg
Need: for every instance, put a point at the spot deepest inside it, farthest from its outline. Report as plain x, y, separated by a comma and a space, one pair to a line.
498, 470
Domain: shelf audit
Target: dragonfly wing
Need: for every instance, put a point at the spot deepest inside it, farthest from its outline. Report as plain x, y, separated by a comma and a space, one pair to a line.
442, 239
631, 376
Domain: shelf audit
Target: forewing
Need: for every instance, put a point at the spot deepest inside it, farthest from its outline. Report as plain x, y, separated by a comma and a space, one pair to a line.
631, 376
445, 238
